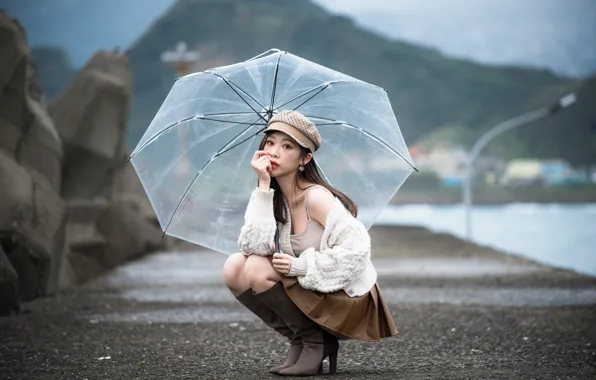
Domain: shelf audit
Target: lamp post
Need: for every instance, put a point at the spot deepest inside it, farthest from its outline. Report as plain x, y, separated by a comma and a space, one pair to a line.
514, 122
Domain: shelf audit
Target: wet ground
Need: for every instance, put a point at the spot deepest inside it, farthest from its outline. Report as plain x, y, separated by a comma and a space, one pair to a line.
462, 311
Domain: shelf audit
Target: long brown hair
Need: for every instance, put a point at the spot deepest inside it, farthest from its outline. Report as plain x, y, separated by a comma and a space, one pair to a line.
311, 174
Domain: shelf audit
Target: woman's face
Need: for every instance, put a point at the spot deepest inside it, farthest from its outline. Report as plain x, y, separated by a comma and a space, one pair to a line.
284, 154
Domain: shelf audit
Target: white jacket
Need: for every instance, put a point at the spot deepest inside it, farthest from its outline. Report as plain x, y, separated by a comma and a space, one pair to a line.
344, 258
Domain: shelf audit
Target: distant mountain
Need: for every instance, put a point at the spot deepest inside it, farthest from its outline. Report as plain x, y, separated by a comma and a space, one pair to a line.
553, 34
539, 33
427, 89
570, 134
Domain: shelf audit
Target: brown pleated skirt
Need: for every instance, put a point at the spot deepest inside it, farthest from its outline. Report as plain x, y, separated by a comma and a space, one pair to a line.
366, 318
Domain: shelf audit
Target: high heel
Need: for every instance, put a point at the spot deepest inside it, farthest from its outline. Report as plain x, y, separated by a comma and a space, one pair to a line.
249, 299
333, 363
331, 351
317, 344
312, 336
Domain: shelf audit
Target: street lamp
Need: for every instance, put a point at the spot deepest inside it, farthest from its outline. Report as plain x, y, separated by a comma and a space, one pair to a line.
514, 122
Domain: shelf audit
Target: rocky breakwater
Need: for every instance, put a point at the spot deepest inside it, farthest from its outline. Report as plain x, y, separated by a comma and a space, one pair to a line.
70, 205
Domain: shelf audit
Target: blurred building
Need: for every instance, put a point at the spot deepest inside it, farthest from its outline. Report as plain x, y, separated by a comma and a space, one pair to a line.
450, 165
182, 59
525, 172
200, 57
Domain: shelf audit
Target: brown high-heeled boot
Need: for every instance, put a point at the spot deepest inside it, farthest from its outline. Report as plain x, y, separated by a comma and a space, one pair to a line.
314, 349
331, 350
271, 319
304, 364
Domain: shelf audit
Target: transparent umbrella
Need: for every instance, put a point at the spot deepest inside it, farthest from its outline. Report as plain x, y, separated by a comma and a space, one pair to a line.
194, 158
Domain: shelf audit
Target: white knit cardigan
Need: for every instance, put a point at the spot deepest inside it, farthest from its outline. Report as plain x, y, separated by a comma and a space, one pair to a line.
344, 258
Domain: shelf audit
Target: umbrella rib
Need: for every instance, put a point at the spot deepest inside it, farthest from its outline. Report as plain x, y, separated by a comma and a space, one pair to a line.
228, 113
230, 83
235, 145
307, 100
270, 51
231, 121
274, 88
175, 124
323, 173
221, 151
324, 85
154, 137
166, 172
372, 136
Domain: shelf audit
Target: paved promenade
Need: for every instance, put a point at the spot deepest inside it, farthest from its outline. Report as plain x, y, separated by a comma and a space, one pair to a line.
463, 312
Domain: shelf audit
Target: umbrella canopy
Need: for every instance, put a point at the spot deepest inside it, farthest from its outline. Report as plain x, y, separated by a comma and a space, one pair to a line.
194, 158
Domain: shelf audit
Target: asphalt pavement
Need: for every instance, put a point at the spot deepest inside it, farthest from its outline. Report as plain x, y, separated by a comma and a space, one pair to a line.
462, 311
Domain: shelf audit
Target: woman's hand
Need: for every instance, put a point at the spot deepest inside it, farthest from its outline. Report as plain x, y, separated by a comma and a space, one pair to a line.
261, 163
282, 263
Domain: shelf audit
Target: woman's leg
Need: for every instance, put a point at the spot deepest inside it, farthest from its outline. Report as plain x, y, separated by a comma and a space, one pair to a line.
233, 274
306, 357
260, 274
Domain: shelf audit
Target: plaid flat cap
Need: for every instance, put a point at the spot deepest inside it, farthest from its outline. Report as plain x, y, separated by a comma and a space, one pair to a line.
298, 127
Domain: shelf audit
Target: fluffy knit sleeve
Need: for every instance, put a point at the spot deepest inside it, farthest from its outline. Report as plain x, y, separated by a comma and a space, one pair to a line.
258, 231
342, 257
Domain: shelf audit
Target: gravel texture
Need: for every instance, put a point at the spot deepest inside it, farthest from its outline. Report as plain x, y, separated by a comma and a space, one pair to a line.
537, 324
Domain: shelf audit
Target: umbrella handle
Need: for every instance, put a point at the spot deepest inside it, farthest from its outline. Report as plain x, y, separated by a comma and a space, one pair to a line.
276, 240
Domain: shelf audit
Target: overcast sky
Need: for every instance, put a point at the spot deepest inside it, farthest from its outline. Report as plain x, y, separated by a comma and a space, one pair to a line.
549, 33
559, 34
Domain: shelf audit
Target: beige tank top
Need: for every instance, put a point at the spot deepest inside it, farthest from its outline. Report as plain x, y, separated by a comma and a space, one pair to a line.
310, 237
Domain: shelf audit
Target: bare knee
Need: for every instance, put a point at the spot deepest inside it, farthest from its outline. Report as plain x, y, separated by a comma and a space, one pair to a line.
233, 273
259, 273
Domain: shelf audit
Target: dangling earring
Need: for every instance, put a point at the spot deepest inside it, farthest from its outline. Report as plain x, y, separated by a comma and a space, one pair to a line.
301, 168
